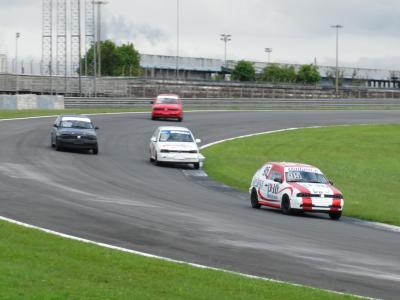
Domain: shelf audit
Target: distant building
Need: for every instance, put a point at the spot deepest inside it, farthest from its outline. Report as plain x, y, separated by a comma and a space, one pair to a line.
3, 63
192, 68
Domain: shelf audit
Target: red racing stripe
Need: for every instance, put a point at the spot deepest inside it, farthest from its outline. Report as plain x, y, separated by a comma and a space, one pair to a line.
307, 202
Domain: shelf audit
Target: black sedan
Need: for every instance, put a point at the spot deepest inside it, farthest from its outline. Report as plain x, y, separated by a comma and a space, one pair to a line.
74, 132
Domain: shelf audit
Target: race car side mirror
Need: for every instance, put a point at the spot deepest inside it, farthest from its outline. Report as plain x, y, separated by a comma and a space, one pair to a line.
198, 141
55, 125
96, 128
330, 182
154, 140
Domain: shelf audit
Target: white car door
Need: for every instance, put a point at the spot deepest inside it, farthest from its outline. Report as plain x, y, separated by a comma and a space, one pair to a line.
271, 187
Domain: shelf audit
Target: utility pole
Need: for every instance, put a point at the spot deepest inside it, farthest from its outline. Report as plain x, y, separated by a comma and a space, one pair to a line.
226, 38
268, 51
17, 36
337, 27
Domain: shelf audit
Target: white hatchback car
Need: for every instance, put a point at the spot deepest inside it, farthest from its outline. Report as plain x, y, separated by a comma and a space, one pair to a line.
175, 145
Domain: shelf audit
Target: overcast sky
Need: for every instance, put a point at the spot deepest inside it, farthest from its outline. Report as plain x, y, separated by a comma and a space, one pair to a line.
297, 30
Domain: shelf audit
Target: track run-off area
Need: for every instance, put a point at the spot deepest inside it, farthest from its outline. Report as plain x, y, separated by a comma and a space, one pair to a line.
120, 198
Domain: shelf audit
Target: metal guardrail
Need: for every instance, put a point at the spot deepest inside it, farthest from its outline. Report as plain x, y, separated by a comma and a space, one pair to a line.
244, 103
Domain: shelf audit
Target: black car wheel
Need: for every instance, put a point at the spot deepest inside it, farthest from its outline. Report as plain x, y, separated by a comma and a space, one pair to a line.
95, 150
285, 206
254, 200
156, 162
335, 215
57, 145
196, 166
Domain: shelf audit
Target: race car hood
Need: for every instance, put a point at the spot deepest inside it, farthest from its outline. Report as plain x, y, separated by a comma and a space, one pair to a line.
315, 188
178, 146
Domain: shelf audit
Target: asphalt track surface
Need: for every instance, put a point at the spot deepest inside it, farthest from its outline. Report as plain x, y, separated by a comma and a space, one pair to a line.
120, 198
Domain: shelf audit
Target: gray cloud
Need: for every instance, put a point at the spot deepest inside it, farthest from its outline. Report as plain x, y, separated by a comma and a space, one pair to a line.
121, 30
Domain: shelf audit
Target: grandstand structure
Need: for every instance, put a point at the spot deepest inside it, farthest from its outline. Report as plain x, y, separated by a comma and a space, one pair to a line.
192, 68
3, 62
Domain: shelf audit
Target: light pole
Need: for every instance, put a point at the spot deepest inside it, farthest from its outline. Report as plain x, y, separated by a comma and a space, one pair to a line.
226, 38
268, 51
17, 36
337, 27
177, 40
99, 4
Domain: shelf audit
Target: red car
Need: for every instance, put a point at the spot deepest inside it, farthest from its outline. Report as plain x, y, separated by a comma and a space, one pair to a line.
167, 106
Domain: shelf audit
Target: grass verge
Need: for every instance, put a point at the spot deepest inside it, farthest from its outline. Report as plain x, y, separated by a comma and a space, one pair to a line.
361, 160
37, 265
11, 114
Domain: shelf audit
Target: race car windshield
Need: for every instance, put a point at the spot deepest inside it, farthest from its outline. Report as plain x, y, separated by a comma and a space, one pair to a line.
75, 124
176, 136
167, 101
308, 177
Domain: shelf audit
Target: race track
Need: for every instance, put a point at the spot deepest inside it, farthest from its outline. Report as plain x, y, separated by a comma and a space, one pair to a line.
119, 198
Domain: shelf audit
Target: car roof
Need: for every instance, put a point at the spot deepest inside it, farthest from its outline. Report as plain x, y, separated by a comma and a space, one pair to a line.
292, 165
168, 96
173, 128
75, 117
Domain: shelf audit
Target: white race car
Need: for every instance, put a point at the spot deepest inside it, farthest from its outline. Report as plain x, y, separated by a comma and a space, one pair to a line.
175, 145
295, 187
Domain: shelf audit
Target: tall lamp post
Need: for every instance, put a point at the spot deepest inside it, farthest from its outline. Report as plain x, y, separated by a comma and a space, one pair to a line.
177, 39
99, 4
226, 38
268, 51
337, 27
17, 36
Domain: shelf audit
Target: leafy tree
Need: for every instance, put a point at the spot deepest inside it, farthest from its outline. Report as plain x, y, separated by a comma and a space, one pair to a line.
121, 60
308, 74
244, 71
129, 61
277, 73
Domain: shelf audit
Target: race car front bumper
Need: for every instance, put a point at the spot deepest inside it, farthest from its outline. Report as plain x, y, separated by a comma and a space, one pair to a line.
317, 204
184, 158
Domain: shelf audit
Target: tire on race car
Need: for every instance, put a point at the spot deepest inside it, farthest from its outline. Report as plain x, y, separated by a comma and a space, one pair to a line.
57, 146
285, 206
335, 215
155, 161
254, 199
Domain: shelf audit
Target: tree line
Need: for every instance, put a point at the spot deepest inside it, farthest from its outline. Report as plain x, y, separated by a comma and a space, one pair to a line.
245, 71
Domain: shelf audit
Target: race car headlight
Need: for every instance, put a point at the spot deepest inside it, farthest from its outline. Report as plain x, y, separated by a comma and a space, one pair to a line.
304, 195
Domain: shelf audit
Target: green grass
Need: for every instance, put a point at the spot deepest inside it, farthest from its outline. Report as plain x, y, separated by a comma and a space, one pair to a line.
36, 265
363, 162
11, 114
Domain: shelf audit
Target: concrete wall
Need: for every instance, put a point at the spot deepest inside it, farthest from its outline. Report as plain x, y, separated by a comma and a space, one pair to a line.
20, 102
